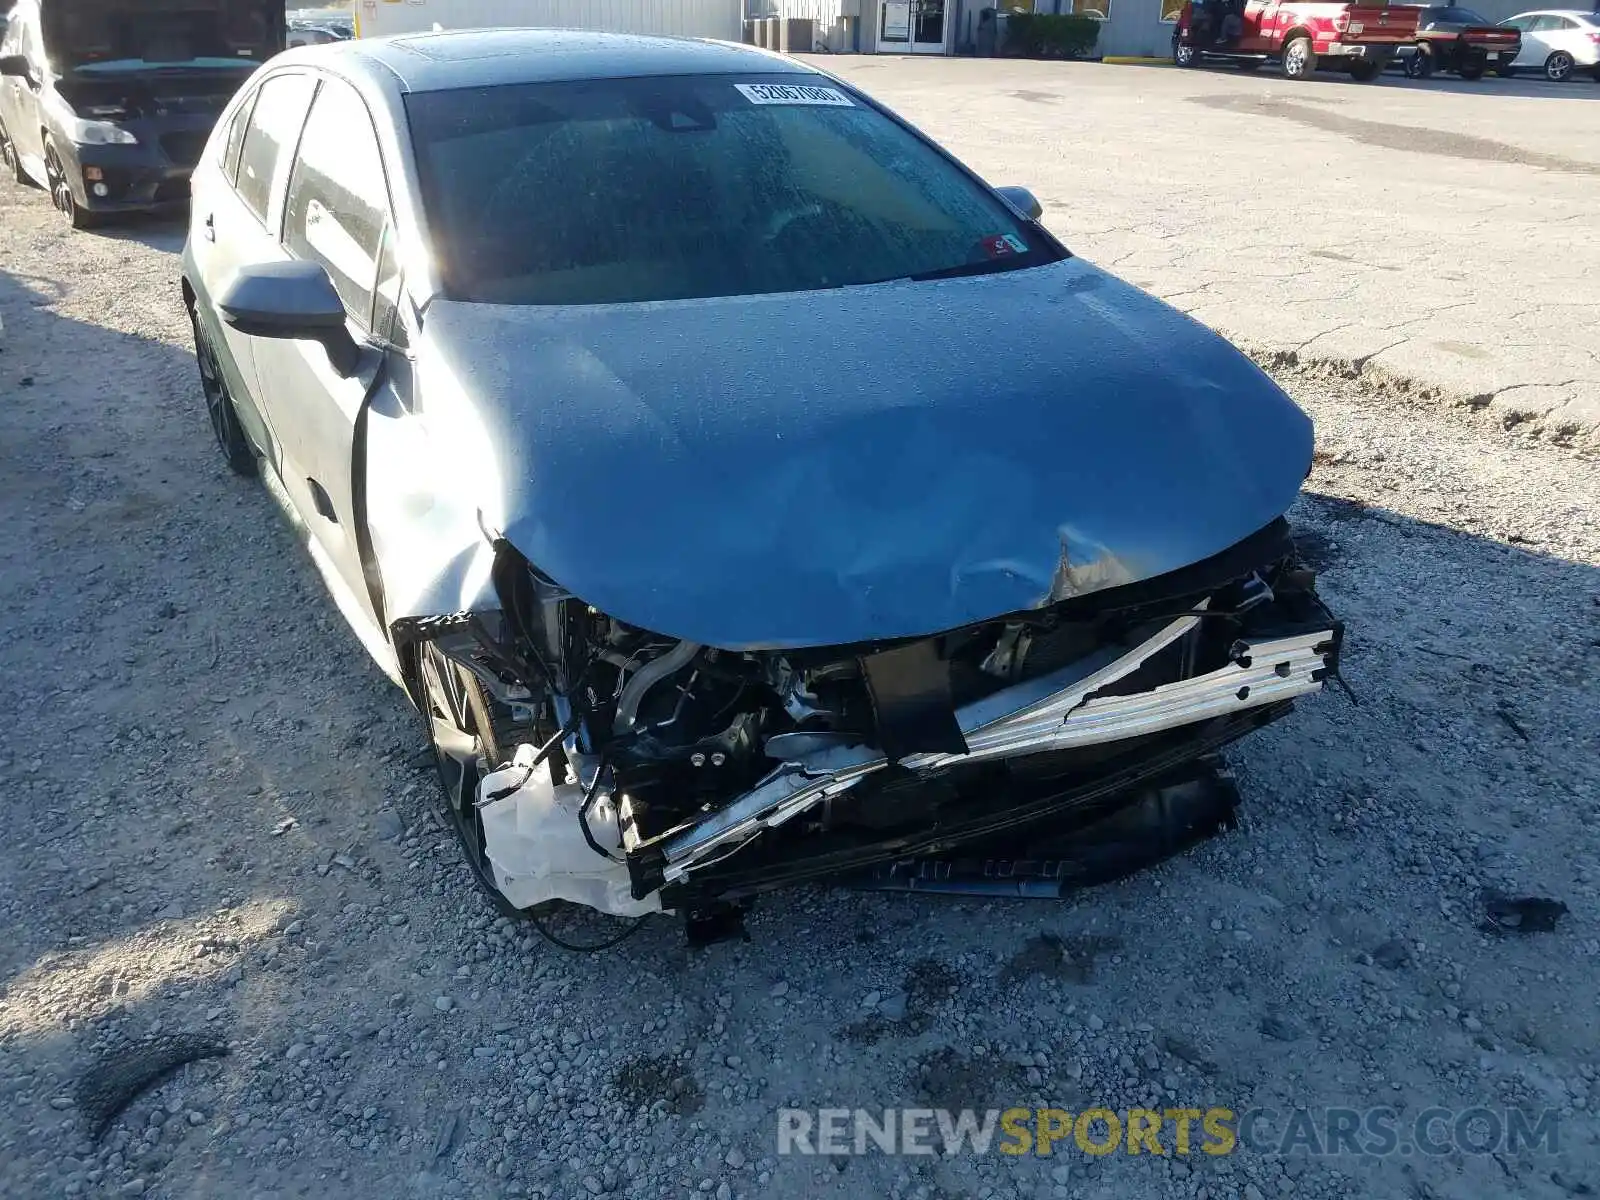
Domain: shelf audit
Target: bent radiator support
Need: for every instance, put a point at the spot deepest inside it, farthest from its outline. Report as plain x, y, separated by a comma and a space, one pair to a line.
1065, 710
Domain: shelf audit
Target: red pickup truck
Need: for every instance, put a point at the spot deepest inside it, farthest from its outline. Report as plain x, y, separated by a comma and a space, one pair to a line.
1361, 38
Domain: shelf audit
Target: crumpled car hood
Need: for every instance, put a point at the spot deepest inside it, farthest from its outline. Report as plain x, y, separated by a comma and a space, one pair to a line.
887, 461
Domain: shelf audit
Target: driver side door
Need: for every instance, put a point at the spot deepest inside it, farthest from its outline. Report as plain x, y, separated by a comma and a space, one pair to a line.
1259, 25
336, 213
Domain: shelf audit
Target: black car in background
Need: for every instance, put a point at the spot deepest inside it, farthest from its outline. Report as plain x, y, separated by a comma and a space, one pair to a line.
1452, 38
107, 104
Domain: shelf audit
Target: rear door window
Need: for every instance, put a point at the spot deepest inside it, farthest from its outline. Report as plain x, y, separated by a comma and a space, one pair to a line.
275, 122
236, 128
338, 204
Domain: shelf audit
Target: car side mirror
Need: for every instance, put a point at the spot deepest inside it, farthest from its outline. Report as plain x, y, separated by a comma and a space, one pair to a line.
17, 65
1021, 199
291, 300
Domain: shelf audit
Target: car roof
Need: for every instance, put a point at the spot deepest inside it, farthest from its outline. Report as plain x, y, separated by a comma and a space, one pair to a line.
428, 62
1586, 14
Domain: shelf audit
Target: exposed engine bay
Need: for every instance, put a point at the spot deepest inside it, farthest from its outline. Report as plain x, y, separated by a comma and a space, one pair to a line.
130, 96
602, 764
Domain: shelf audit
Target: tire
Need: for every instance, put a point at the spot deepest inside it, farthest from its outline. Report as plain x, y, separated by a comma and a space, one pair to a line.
1184, 55
1365, 72
1420, 65
1472, 72
10, 164
236, 449
55, 174
1299, 59
1558, 67
456, 703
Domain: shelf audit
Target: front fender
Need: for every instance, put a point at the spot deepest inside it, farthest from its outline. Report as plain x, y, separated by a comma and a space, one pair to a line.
432, 499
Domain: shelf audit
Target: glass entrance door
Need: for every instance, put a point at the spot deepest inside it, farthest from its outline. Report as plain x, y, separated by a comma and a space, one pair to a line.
927, 27
911, 26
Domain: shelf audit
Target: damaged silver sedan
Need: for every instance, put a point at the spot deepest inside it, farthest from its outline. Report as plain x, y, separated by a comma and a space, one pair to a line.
744, 492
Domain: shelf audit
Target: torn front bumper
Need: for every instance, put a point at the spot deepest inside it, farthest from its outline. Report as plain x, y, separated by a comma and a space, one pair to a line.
1090, 704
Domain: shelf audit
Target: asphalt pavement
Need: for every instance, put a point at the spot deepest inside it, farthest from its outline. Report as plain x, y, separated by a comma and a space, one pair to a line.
1444, 236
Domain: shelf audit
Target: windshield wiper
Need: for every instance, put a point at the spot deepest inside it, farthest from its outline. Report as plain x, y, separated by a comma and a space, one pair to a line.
978, 268
987, 267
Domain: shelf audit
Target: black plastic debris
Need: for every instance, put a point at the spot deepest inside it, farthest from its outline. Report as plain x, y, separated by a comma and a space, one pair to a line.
1519, 914
445, 1139
1280, 1028
121, 1074
713, 923
1392, 955
1510, 719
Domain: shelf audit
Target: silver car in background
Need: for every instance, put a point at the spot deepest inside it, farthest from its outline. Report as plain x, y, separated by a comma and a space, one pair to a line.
743, 491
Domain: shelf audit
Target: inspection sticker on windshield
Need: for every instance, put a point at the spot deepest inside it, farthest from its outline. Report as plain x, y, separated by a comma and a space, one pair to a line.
793, 93
1002, 244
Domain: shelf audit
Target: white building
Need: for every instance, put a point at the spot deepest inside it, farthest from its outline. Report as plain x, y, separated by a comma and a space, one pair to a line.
961, 27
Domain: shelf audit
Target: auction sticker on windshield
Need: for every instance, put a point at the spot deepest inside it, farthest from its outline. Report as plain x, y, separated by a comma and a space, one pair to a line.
793, 93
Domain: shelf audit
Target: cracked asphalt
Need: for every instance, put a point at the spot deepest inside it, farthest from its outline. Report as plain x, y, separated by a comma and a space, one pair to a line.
1440, 237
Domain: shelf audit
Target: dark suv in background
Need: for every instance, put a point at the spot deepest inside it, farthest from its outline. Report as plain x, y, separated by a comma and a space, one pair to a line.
107, 104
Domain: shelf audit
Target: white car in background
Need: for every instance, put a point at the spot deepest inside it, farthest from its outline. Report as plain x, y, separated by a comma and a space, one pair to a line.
1557, 42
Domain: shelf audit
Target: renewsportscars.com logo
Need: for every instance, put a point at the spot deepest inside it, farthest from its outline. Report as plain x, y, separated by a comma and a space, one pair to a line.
1380, 1131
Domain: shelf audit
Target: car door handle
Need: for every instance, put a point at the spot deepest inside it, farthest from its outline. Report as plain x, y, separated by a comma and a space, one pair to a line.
211, 227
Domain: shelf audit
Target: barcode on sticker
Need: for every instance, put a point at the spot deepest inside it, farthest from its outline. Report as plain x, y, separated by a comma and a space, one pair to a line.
793, 93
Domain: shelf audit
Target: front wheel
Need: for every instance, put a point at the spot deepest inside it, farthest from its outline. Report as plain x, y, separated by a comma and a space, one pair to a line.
1365, 71
1420, 64
55, 174
1558, 67
1184, 55
461, 731
1299, 59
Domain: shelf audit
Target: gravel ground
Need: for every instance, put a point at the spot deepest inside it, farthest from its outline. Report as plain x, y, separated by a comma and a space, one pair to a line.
217, 824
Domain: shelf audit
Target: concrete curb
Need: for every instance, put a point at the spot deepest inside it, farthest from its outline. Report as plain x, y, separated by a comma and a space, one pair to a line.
1392, 385
1135, 60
